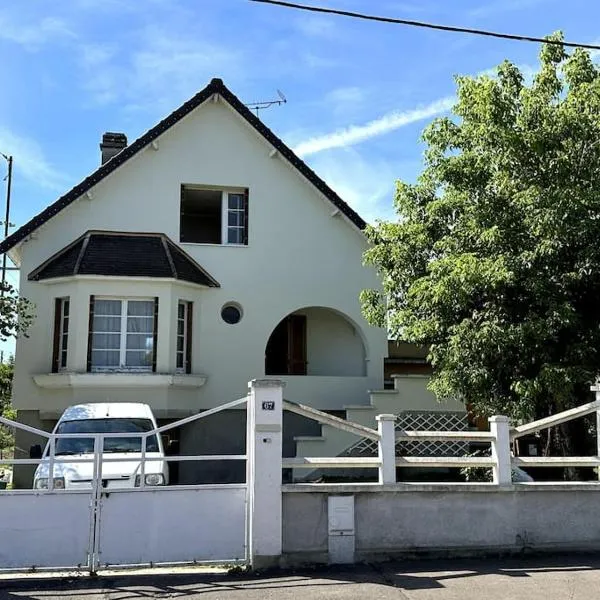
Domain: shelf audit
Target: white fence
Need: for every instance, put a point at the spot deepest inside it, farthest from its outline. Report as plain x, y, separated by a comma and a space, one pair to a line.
500, 437
98, 526
348, 522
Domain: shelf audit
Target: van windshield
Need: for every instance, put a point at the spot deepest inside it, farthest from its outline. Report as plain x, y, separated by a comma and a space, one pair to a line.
86, 445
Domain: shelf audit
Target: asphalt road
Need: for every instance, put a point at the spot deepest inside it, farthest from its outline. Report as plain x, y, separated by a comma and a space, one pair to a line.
548, 578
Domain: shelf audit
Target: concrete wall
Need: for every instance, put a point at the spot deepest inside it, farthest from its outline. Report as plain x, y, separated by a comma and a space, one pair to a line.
405, 520
298, 255
304, 530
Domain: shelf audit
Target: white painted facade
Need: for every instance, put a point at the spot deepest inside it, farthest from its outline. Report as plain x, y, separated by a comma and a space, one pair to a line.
300, 257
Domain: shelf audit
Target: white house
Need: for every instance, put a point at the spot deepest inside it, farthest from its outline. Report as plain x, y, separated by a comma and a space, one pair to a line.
203, 255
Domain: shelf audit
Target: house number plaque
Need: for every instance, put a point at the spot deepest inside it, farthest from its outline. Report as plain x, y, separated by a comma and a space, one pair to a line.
268, 405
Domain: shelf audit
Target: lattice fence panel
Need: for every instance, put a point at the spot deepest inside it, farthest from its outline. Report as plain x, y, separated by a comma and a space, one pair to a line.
420, 421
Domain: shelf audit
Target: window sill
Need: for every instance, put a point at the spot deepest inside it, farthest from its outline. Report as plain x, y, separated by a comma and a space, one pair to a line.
118, 380
213, 245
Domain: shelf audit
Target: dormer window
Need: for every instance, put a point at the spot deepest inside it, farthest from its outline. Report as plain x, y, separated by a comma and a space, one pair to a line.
214, 216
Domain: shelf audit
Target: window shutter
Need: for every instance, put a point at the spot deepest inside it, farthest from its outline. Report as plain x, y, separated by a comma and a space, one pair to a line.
56, 340
245, 240
188, 341
155, 335
90, 334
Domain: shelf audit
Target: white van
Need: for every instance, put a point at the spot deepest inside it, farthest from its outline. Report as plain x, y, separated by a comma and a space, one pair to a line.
104, 418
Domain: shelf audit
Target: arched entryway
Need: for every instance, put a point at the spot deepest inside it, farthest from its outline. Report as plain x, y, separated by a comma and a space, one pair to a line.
316, 341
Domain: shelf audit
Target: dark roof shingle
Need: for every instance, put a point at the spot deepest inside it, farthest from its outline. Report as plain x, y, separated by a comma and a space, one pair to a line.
119, 254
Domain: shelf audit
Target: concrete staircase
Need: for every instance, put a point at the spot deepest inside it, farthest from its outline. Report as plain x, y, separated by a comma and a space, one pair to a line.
410, 393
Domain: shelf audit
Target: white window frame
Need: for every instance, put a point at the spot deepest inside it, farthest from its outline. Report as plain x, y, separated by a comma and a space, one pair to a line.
63, 345
224, 212
225, 216
187, 305
122, 367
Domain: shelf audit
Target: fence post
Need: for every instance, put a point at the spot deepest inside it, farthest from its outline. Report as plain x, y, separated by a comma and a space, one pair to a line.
499, 427
386, 426
263, 475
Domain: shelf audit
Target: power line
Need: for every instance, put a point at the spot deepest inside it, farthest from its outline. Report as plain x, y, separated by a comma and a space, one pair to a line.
494, 34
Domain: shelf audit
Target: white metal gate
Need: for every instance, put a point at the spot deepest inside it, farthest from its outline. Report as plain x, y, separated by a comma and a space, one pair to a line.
172, 525
96, 527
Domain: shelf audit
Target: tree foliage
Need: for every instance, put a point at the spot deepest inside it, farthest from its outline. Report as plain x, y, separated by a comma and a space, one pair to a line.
494, 262
16, 312
6, 409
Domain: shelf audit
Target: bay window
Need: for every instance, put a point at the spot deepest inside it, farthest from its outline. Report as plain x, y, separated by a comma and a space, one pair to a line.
122, 334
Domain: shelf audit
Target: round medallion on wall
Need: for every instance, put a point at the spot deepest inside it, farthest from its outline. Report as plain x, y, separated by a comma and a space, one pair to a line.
231, 313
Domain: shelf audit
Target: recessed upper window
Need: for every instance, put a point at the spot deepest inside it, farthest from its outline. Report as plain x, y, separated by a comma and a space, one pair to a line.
214, 216
231, 313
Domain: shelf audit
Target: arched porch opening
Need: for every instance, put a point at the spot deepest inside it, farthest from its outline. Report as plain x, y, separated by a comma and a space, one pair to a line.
316, 341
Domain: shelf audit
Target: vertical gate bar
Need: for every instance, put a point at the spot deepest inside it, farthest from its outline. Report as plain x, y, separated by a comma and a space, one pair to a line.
249, 476
143, 464
94, 545
52, 449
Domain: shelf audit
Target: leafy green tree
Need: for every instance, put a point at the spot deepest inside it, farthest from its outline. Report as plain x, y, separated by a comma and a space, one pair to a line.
16, 312
494, 261
6, 409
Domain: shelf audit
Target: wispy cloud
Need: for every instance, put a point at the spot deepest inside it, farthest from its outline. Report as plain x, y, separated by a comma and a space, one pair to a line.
359, 133
30, 160
33, 36
118, 6
503, 6
406, 7
389, 122
318, 27
347, 103
367, 184
161, 70
346, 95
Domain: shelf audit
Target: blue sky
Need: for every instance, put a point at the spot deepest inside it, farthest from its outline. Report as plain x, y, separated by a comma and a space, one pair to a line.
359, 93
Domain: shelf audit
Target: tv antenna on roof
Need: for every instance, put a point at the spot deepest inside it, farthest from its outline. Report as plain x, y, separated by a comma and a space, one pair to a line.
267, 104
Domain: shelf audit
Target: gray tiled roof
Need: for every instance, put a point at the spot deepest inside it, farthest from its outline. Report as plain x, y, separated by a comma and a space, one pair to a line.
119, 254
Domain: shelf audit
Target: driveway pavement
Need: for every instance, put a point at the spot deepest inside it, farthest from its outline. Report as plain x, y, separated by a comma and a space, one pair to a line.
547, 578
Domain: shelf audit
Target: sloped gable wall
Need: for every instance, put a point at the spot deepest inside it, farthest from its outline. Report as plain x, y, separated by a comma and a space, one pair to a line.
298, 254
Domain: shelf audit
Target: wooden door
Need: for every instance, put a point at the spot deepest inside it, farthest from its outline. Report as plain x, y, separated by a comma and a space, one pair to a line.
296, 345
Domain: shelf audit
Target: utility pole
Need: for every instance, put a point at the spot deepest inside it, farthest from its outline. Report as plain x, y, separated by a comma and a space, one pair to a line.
9, 159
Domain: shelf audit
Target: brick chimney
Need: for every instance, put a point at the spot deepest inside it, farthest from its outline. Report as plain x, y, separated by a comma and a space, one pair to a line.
112, 144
